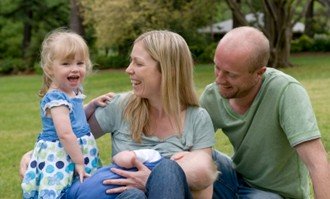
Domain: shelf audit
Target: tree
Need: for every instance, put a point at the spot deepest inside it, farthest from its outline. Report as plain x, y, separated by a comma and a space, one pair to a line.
27, 22
118, 22
76, 20
279, 18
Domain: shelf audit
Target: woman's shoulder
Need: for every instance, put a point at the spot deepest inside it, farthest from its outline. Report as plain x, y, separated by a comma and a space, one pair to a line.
195, 110
194, 113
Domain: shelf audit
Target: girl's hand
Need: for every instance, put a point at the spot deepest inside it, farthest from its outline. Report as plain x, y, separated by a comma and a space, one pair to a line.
132, 179
103, 99
100, 101
80, 170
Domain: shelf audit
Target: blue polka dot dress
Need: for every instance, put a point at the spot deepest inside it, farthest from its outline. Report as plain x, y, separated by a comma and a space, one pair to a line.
51, 169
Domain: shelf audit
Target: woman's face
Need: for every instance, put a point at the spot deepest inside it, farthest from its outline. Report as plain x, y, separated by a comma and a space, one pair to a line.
144, 74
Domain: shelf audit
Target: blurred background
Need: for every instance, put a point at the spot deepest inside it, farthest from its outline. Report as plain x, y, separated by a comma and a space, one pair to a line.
110, 26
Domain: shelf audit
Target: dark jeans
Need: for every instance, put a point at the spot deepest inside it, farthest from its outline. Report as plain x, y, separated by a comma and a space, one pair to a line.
232, 185
167, 180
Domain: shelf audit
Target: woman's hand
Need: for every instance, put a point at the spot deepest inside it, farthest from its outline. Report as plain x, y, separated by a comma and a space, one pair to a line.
132, 179
24, 163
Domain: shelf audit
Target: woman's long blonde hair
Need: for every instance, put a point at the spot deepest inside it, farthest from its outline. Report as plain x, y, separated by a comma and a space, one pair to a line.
61, 43
175, 64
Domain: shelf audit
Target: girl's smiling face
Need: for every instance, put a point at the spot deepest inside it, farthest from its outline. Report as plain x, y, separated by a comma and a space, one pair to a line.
68, 73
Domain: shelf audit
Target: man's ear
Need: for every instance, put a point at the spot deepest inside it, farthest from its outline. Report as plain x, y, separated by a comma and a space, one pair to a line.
261, 70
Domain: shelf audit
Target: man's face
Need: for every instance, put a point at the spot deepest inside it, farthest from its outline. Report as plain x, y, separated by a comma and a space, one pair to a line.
233, 77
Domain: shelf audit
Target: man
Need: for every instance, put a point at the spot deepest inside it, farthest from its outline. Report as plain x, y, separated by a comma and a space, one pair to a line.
268, 118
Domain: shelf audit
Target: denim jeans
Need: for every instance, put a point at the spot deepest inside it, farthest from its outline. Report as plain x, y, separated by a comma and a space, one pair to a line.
231, 185
166, 181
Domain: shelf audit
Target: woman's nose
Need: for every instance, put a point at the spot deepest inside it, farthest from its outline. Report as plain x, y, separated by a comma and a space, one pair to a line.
129, 69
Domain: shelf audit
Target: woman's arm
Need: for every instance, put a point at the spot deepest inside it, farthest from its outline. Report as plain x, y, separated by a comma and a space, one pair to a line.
200, 171
95, 127
199, 176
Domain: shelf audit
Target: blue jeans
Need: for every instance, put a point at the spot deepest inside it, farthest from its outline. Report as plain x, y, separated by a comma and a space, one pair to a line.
93, 186
166, 181
231, 184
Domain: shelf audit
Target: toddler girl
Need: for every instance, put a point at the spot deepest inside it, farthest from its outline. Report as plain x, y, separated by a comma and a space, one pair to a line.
65, 145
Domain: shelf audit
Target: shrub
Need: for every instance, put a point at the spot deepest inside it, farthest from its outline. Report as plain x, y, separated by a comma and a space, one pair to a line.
12, 65
320, 43
113, 61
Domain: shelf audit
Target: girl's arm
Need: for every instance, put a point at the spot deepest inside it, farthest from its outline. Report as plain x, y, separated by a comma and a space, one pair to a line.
68, 139
96, 102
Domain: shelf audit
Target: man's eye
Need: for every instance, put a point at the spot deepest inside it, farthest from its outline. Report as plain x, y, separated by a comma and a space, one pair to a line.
65, 63
232, 75
80, 63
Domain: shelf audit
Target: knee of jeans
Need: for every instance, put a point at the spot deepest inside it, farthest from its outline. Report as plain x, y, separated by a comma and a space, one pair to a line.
169, 166
221, 158
132, 193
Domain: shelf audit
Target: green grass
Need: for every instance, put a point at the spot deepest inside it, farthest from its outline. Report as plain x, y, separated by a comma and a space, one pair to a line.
20, 122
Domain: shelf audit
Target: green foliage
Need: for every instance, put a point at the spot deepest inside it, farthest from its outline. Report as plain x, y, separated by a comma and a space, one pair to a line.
118, 22
112, 61
40, 16
205, 54
11, 65
320, 43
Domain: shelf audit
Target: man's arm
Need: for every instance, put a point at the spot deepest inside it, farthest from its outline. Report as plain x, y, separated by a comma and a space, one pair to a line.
315, 158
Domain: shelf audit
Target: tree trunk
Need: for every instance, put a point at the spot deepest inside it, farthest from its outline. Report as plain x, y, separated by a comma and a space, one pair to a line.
237, 14
27, 28
278, 29
309, 19
76, 21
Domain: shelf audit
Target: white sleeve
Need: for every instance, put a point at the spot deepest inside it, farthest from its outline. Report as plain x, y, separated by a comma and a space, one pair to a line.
147, 155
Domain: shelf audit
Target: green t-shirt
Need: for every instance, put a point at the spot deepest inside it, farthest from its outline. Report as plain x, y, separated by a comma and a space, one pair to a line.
198, 130
279, 118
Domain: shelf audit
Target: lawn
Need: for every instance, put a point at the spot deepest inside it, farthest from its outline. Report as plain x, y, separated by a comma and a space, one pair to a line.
20, 123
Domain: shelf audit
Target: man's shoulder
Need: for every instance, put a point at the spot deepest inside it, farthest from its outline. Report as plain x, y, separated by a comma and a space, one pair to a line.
276, 74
